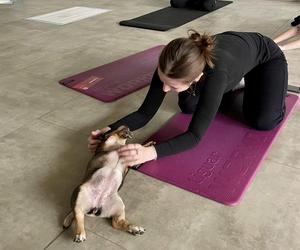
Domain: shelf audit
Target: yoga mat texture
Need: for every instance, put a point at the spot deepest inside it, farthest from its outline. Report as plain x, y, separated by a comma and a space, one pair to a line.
114, 80
223, 164
168, 17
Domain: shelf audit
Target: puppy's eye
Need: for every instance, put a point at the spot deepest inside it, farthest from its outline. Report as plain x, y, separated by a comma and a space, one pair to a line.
122, 135
125, 134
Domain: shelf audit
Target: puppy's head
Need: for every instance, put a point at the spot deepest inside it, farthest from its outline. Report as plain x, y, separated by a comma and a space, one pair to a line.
114, 139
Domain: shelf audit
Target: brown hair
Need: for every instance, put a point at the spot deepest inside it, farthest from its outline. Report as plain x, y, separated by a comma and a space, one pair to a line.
186, 57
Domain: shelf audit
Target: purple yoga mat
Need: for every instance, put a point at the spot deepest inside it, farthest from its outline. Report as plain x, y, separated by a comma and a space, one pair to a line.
223, 164
114, 80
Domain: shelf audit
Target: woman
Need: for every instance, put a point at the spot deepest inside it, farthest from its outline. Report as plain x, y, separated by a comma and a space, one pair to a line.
202, 69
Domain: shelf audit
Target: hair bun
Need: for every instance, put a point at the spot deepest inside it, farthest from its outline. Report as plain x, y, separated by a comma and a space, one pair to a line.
194, 35
205, 43
202, 41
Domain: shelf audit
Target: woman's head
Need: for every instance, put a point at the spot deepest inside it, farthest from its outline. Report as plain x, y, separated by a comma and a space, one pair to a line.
183, 59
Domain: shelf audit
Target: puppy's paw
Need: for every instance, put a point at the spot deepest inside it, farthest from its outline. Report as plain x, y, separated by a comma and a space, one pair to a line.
136, 230
80, 237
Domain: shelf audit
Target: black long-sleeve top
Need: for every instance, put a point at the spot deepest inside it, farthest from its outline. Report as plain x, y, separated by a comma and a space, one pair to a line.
235, 54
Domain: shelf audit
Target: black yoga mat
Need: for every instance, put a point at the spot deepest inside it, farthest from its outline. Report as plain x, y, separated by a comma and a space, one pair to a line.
168, 18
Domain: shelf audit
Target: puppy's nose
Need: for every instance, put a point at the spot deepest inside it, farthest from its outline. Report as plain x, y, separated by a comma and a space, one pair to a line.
129, 134
126, 133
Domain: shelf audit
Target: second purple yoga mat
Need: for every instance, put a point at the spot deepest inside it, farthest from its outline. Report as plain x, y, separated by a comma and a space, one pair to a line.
223, 164
114, 80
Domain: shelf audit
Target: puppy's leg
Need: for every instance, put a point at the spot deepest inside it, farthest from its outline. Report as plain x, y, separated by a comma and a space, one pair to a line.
117, 212
79, 225
81, 206
119, 222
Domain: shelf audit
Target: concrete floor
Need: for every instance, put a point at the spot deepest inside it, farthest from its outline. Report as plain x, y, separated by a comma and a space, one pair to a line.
44, 127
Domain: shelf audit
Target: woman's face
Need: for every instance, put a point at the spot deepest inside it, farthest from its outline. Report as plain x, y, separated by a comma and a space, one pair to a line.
177, 85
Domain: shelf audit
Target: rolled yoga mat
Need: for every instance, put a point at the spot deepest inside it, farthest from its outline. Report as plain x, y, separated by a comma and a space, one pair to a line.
168, 17
114, 80
223, 164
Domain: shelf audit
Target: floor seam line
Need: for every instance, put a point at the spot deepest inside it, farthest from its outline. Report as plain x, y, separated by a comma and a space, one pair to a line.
102, 236
50, 243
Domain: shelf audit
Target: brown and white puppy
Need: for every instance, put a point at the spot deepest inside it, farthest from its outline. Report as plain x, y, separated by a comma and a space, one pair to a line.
98, 194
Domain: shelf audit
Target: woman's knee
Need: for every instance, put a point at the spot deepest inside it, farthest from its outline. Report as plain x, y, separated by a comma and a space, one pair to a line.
264, 123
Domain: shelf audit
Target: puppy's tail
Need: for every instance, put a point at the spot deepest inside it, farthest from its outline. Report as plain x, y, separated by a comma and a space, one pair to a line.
68, 220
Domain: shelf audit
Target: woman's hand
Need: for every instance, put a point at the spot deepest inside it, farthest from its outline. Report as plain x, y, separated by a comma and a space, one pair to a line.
94, 140
134, 154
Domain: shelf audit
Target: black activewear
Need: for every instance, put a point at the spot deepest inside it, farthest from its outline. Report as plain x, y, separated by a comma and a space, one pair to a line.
236, 55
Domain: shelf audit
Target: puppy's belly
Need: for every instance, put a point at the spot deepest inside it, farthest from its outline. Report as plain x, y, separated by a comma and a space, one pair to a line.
102, 187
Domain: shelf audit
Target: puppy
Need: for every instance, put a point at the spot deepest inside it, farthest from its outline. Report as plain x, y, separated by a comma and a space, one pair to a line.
98, 194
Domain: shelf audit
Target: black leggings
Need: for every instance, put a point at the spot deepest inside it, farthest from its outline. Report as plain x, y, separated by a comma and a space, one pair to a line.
264, 92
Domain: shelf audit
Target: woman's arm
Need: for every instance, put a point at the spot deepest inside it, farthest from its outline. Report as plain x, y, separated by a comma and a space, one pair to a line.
148, 108
210, 99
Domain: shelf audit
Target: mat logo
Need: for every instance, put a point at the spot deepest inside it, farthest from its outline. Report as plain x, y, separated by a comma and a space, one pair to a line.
206, 169
88, 83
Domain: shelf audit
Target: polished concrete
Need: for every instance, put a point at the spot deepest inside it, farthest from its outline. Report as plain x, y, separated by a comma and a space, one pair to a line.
44, 127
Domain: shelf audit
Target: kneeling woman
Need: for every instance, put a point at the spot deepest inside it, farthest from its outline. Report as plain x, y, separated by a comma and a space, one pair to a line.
210, 66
